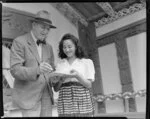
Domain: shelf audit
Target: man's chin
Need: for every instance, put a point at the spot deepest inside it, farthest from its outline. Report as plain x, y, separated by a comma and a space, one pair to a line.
43, 38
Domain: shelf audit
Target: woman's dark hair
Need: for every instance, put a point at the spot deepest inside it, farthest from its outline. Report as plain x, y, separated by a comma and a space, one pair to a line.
79, 51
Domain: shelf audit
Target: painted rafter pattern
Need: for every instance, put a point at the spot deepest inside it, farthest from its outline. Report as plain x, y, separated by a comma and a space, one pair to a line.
122, 13
74, 16
70, 13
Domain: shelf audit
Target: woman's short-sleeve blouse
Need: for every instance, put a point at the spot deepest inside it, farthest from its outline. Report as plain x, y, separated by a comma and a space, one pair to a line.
84, 66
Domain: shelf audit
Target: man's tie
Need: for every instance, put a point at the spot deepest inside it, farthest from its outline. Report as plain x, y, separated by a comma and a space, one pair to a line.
40, 42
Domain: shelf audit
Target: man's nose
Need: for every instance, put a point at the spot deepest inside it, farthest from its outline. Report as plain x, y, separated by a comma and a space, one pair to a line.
45, 31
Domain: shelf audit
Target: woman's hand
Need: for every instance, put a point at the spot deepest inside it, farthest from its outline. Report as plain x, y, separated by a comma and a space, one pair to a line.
85, 82
74, 73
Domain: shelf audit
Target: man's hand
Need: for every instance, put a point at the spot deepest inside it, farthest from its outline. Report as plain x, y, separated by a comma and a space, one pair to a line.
45, 67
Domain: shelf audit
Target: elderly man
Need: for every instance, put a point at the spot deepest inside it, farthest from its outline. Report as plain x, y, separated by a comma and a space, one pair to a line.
31, 60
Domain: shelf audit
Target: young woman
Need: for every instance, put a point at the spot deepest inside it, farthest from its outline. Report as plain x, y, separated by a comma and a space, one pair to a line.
75, 96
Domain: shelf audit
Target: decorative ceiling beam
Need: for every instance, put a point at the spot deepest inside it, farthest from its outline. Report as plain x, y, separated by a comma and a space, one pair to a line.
122, 13
107, 8
70, 13
94, 17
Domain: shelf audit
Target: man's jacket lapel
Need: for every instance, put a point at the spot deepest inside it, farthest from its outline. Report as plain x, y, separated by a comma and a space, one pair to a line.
33, 48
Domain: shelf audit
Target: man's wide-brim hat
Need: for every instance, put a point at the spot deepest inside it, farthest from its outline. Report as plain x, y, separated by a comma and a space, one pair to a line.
44, 18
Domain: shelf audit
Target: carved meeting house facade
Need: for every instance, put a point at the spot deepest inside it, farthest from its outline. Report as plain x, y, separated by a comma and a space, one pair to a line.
15, 23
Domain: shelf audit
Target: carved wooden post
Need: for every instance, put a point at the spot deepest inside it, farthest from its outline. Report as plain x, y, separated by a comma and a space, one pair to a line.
124, 68
87, 37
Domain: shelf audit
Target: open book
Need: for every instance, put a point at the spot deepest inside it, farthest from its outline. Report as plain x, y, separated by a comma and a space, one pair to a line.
56, 76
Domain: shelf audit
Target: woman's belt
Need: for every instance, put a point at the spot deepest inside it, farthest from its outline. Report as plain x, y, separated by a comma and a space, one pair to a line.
71, 83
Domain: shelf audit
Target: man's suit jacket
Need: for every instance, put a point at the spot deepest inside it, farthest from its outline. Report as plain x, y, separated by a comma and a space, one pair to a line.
24, 61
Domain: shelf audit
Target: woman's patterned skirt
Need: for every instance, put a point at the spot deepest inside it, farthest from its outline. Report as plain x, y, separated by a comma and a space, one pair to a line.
75, 100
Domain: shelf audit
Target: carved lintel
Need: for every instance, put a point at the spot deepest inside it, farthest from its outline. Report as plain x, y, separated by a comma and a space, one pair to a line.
118, 15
